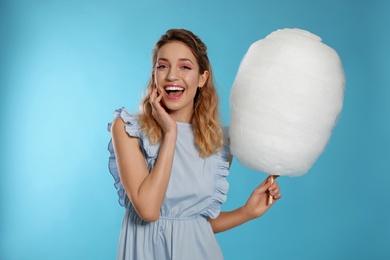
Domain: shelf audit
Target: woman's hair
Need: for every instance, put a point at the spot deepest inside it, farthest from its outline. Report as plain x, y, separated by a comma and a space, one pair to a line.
205, 120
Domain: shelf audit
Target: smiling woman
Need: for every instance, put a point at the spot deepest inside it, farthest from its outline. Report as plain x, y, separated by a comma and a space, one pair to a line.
178, 78
171, 160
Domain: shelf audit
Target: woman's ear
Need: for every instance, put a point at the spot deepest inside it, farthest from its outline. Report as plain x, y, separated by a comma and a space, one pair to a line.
203, 78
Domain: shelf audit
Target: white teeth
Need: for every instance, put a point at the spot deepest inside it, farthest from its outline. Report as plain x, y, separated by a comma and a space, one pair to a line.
174, 89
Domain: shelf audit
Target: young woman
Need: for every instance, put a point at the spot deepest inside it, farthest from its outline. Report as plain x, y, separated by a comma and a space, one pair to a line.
171, 160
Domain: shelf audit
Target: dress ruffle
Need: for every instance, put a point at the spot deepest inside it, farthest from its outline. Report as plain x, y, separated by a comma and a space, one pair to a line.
113, 168
221, 171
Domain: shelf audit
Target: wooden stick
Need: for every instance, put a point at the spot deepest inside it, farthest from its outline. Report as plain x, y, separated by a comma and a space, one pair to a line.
270, 198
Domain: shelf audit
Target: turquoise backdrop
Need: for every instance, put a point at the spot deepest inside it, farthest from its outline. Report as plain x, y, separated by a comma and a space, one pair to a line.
65, 67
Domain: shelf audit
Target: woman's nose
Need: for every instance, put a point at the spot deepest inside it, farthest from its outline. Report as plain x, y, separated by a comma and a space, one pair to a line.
172, 75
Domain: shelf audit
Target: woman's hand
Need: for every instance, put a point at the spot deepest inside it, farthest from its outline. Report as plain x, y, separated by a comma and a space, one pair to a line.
257, 203
160, 114
256, 206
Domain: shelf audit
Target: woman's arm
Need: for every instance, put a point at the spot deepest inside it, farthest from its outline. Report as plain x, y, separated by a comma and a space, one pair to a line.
255, 207
146, 190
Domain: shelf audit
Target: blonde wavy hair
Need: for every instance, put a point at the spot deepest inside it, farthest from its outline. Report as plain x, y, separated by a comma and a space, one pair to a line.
205, 120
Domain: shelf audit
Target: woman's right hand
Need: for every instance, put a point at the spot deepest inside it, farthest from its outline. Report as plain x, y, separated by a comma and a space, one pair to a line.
166, 122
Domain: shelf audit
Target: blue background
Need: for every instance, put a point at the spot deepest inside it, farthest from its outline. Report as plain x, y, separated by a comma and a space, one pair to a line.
65, 67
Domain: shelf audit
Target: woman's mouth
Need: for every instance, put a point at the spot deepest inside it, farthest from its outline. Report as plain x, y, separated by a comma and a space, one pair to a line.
174, 92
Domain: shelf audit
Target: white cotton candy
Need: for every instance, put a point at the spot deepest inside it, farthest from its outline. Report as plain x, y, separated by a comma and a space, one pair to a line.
285, 101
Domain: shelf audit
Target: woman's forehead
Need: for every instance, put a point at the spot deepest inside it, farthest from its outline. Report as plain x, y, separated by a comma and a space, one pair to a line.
176, 51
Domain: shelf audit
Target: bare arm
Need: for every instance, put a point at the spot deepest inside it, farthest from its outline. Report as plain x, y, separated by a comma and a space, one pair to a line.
255, 207
146, 190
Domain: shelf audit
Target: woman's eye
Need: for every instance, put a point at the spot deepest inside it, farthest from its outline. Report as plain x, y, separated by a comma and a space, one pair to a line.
159, 67
186, 67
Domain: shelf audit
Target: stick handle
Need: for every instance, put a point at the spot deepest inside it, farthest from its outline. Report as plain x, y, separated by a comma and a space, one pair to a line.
270, 198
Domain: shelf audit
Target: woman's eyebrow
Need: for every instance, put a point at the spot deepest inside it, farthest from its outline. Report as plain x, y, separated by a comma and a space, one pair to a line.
181, 59
186, 59
163, 59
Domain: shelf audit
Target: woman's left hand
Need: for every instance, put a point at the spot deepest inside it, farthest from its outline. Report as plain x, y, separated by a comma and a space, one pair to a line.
256, 206
258, 203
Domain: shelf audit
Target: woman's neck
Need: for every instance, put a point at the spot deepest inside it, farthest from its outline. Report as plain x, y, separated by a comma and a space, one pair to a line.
180, 116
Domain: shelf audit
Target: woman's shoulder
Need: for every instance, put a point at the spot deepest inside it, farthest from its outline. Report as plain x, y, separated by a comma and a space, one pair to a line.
125, 121
117, 125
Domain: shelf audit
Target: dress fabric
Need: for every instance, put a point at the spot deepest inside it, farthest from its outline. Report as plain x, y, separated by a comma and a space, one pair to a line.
196, 190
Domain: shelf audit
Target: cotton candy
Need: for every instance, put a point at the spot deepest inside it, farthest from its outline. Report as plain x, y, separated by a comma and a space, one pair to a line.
285, 101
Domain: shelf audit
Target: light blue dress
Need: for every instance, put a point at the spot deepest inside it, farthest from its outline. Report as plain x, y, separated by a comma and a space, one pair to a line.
196, 190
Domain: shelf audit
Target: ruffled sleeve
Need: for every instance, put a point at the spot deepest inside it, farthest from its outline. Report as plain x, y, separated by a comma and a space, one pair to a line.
221, 171
150, 152
113, 168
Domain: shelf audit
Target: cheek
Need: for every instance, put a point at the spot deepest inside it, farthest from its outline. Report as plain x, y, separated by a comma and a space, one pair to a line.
158, 77
191, 80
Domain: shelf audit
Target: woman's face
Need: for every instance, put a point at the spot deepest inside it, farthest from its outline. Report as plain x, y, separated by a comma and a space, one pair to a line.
177, 78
